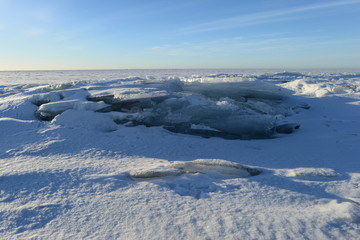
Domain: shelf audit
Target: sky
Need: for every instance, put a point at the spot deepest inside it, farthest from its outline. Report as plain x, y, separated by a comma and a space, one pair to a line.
126, 34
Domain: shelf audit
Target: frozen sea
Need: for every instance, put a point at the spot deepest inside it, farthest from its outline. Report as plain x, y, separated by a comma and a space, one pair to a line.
180, 154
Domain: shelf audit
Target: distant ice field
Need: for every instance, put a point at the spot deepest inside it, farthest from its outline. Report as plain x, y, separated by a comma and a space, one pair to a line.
56, 76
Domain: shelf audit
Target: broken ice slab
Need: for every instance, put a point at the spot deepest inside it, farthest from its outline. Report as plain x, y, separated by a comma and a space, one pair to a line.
128, 104
230, 110
49, 110
109, 99
116, 94
42, 98
124, 106
255, 129
205, 133
236, 90
246, 126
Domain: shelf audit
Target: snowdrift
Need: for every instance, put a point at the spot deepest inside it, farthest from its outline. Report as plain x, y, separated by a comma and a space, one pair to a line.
202, 166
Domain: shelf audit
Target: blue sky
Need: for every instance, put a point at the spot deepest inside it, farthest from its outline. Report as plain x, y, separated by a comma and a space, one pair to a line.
104, 34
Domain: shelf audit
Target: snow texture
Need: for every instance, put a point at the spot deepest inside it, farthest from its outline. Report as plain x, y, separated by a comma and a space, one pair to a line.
203, 166
180, 154
313, 172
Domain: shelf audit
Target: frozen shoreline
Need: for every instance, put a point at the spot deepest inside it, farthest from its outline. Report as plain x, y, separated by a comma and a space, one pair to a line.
68, 178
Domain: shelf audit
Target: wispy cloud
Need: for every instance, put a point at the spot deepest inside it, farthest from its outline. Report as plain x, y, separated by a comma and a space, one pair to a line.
221, 47
261, 17
240, 46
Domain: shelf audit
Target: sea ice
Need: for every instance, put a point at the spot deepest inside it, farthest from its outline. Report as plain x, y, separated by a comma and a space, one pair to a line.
230, 110
49, 110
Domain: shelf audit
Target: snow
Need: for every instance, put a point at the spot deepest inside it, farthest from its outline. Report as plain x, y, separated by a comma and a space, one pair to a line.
180, 154
201, 166
313, 172
85, 119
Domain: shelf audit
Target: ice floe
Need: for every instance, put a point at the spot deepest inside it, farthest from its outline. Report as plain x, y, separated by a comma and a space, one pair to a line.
246, 109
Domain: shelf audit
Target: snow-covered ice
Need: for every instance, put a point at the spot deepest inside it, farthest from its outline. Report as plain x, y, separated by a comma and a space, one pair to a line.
211, 167
179, 154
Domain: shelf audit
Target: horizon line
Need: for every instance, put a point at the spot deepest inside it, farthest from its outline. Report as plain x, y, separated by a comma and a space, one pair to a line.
175, 68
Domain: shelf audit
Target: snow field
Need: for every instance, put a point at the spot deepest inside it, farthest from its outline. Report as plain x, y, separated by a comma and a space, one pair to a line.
91, 174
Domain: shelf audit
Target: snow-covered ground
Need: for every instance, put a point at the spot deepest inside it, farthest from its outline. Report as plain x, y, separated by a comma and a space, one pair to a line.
179, 154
